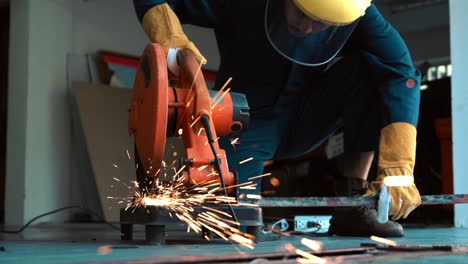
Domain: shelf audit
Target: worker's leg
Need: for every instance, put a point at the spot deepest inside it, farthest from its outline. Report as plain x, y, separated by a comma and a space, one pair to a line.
343, 97
248, 151
362, 123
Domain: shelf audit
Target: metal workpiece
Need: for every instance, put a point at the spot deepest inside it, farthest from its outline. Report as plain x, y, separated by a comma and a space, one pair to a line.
349, 201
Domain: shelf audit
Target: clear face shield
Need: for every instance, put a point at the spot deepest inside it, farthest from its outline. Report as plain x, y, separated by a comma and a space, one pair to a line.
300, 38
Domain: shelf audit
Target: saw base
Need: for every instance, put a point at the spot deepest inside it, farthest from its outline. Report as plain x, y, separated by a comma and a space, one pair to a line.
155, 220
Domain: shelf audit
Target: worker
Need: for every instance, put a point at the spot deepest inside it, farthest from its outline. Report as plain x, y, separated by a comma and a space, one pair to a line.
309, 68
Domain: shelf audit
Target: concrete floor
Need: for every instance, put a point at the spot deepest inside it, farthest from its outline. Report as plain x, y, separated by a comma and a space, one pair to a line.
84, 243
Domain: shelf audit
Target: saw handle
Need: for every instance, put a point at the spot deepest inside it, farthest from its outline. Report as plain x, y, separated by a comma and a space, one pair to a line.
191, 77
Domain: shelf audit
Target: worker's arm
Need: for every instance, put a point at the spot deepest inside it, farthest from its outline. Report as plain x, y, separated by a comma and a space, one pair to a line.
399, 85
160, 20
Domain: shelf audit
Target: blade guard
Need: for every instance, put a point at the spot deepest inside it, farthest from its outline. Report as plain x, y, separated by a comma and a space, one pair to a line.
149, 108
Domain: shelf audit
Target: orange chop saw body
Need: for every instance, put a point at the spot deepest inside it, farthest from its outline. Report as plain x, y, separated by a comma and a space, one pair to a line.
188, 110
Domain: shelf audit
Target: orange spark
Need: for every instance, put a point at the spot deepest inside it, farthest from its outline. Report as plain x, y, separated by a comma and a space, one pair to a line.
215, 102
202, 167
104, 250
226, 83
384, 240
218, 94
200, 131
249, 187
254, 196
195, 121
246, 160
234, 141
306, 257
259, 176
239, 185
274, 182
312, 244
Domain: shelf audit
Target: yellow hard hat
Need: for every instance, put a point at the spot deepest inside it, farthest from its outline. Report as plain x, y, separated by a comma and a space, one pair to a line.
334, 12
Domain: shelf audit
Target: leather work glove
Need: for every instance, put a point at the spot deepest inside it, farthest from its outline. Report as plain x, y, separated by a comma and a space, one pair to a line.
163, 27
397, 153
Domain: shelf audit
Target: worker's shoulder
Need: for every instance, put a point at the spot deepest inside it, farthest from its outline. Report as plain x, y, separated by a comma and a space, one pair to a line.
372, 15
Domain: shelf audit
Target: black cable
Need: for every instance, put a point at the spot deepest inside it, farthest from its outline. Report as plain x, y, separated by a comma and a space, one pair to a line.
56, 211
206, 123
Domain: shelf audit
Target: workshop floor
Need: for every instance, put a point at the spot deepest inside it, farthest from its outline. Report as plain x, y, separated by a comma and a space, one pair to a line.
85, 243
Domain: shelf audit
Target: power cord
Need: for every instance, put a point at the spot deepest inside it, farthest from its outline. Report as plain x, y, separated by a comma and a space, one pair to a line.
206, 123
56, 211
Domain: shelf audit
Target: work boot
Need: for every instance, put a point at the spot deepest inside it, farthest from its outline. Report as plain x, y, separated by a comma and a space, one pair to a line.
359, 221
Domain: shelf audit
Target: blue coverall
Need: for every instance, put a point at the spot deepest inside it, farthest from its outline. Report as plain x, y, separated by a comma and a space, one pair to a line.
295, 108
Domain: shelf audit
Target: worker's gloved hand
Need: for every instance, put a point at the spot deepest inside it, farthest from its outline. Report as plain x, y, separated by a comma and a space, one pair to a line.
398, 195
163, 27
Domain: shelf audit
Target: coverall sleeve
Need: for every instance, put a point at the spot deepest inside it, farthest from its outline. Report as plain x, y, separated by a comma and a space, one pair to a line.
391, 66
204, 13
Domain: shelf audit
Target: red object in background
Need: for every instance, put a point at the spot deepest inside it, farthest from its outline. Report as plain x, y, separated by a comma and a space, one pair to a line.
443, 128
122, 60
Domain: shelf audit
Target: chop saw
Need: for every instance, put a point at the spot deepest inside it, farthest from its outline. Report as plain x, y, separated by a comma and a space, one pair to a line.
198, 116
